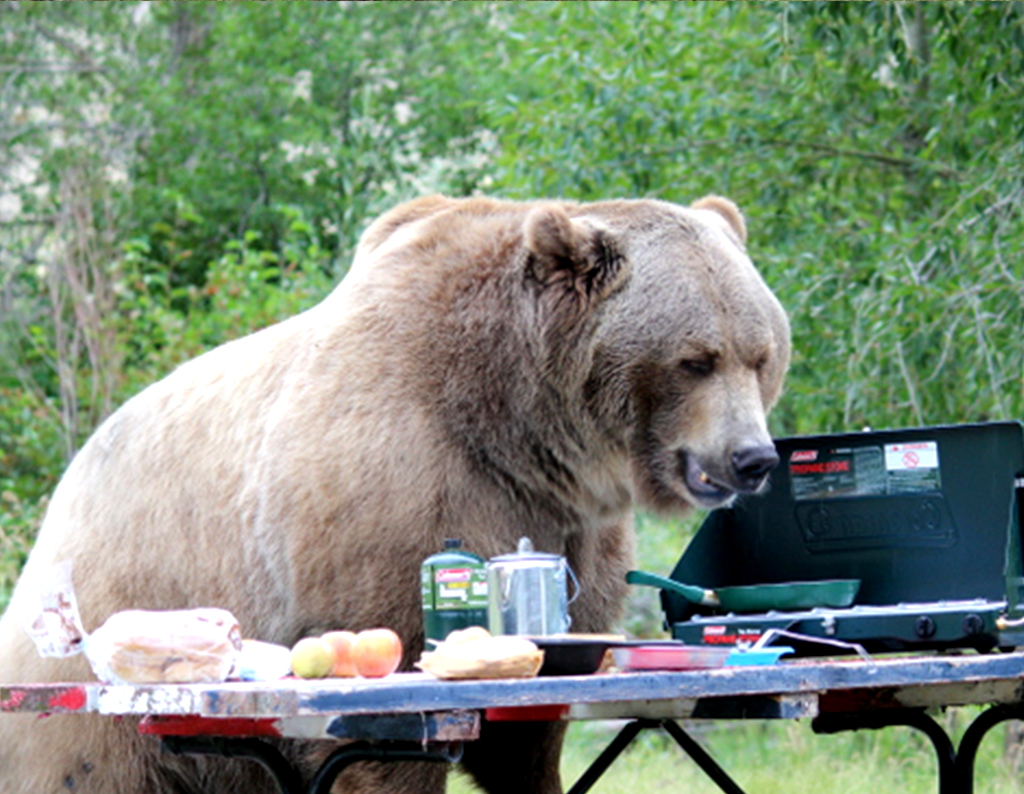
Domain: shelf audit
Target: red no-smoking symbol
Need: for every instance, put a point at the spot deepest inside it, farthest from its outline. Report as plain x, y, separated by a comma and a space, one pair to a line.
911, 460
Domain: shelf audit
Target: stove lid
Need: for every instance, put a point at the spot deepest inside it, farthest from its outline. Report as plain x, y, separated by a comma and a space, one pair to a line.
918, 515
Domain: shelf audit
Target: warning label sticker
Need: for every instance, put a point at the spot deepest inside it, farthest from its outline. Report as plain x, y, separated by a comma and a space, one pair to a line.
864, 471
913, 468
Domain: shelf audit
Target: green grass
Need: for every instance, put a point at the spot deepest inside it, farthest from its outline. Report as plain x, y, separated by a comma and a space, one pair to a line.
777, 757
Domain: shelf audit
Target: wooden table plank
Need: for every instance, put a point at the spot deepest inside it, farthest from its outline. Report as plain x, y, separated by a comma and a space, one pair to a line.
965, 679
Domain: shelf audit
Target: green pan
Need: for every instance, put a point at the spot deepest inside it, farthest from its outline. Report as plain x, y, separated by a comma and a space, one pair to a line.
761, 597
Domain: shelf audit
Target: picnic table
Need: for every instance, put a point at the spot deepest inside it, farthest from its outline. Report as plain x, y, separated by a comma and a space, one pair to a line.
413, 716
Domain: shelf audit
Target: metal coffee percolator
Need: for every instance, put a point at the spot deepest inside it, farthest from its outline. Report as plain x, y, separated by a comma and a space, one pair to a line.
527, 592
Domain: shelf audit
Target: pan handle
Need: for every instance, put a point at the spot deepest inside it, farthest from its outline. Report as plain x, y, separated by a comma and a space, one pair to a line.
692, 593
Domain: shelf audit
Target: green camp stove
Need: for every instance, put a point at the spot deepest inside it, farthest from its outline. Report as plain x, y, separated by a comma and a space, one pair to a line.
928, 519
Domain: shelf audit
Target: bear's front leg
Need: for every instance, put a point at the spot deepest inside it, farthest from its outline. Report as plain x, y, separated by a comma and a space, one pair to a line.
517, 757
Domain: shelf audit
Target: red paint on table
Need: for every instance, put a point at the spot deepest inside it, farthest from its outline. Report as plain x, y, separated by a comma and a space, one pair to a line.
195, 725
73, 699
547, 713
43, 698
11, 699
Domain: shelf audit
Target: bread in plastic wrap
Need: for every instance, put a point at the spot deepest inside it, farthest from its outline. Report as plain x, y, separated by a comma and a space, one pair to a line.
485, 657
178, 646
135, 646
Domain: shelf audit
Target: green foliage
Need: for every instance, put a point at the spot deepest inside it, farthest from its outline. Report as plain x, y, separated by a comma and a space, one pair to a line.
262, 106
30, 463
246, 288
155, 327
880, 168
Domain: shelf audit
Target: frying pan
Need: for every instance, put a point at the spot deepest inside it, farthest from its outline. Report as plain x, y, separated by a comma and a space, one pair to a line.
758, 598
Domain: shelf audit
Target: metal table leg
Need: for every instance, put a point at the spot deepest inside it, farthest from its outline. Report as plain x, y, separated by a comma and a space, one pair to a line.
701, 758
681, 737
610, 753
911, 718
972, 740
283, 773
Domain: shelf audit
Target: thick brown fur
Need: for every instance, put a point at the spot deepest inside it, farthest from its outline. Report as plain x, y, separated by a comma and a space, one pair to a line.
486, 370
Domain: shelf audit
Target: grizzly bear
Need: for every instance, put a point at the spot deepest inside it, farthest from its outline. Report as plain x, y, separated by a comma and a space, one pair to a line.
486, 370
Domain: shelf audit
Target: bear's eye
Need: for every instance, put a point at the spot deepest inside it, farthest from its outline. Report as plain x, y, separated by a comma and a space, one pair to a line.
761, 364
698, 367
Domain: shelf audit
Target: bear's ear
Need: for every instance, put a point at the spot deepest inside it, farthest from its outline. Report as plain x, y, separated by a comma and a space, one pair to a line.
727, 210
573, 254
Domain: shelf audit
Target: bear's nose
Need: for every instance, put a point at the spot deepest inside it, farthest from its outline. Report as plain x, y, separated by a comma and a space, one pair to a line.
751, 464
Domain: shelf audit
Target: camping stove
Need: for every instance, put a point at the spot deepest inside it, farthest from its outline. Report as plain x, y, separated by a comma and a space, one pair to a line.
928, 519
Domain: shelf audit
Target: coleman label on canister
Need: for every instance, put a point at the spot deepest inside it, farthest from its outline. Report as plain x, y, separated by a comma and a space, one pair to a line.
460, 588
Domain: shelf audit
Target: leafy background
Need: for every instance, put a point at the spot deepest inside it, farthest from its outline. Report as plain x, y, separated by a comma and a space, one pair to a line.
173, 175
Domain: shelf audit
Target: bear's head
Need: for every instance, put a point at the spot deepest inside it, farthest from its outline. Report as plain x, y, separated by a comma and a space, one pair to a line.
689, 347
610, 352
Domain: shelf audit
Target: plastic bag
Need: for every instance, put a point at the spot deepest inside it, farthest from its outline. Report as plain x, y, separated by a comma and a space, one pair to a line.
51, 616
182, 646
136, 646
263, 661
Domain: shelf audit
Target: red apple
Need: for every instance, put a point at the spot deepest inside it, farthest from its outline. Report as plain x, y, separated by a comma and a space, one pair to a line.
376, 652
342, 642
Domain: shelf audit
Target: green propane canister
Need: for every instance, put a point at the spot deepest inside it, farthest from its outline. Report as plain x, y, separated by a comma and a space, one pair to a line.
454, 590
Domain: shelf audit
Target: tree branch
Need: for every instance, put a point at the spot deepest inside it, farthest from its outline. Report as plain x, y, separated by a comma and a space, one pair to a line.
825, 149
64, 43
82, 56
48, 67
884, 159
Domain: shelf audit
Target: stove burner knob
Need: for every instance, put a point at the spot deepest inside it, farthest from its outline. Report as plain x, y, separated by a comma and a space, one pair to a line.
973, 625
924, 627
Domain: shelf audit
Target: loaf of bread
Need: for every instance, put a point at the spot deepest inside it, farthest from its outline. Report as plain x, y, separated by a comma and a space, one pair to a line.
179, 646
483, 657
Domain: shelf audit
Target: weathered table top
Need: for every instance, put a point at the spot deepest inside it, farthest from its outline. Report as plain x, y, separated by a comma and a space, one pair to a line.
907, 681
428, 714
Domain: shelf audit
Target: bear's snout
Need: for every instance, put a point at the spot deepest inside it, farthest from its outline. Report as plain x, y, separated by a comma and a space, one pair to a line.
751, 465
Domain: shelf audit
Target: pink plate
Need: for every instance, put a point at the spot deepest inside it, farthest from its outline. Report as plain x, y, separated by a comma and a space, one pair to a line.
668, 656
